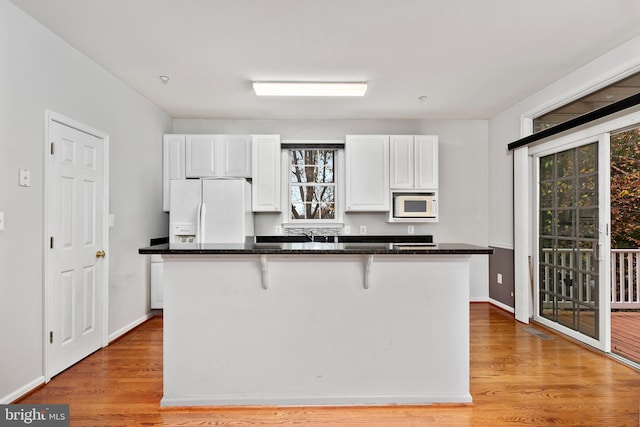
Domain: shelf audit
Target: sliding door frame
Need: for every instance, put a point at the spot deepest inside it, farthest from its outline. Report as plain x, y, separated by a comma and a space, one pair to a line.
525, 219
603, 341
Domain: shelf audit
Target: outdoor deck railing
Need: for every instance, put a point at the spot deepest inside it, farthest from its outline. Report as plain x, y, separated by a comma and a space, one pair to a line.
561, 277
625, 278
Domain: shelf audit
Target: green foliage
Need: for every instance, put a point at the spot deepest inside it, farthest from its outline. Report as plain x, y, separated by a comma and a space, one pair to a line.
625, 189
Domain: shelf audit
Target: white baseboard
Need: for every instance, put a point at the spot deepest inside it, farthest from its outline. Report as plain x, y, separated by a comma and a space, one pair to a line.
501, 305
479, 299
11, 397
129, 327
318, 400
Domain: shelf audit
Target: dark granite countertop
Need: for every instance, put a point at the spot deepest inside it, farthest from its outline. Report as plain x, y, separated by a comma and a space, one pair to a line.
317, 248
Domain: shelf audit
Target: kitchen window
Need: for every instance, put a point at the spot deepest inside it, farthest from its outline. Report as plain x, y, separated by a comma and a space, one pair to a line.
312, 184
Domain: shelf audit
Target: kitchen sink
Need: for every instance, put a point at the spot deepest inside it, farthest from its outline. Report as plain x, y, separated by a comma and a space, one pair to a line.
414, 246
297, 238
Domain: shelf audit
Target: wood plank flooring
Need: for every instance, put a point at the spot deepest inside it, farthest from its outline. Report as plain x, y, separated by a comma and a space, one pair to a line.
625, 334
516, 379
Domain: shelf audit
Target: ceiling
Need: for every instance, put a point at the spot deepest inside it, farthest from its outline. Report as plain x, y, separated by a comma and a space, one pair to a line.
470, 58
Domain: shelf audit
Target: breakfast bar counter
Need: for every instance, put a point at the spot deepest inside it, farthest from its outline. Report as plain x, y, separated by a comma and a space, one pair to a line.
310, 323
317, 248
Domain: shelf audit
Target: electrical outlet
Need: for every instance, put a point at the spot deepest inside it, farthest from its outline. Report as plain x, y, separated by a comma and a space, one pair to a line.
346, 229
410, 229
363, 229
278, 230
499, 279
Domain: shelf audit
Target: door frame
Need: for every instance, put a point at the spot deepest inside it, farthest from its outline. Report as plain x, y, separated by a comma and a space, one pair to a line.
524, 218
604, 262
51, 116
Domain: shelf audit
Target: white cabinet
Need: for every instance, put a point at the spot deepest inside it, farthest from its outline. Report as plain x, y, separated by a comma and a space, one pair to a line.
367, 173
208, 156
402, 168
426, 156
173, 165
414, 162
203, 156
265, 173
236, 156
157, 276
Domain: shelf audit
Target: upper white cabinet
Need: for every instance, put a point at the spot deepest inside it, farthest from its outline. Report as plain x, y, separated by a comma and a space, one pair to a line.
209, 156
173, 165
236, 156
414, 162
201, 155
367, 173
265, 172
426, 157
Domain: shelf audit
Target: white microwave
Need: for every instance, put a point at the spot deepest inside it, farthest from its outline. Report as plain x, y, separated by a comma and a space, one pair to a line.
413, 205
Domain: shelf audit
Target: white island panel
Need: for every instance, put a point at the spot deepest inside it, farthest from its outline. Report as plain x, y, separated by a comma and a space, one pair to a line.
316, 336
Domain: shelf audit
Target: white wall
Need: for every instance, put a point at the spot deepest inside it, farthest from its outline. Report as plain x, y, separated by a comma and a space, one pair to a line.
510, 125
506, 127
39, 71
463, 166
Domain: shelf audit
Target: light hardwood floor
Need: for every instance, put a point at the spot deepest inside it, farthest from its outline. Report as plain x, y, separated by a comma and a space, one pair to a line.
516, 379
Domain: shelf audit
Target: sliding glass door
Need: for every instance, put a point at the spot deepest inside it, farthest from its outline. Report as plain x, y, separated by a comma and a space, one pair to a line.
572, 240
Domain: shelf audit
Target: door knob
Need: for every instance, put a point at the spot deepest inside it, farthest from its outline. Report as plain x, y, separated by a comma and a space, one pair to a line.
100, 254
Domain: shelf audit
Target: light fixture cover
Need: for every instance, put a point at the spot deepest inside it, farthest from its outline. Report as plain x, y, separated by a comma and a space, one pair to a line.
310, 88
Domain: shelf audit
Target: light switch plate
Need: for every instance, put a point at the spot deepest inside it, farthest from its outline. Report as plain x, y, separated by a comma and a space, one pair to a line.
24, 178
112, 220
1, 221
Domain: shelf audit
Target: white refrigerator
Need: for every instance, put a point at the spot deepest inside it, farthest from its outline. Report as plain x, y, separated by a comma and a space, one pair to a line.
210, 211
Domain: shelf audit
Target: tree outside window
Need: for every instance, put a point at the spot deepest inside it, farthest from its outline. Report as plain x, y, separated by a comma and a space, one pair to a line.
625, 189
312, 186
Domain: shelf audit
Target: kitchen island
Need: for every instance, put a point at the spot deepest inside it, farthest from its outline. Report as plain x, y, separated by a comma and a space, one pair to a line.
316, 323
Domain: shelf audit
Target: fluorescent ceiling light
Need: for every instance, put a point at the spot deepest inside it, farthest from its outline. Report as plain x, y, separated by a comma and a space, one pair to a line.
309, 88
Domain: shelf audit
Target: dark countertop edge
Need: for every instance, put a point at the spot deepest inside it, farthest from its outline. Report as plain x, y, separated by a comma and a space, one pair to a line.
357, 249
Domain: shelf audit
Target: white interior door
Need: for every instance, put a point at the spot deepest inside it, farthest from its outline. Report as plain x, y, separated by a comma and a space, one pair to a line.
76, 263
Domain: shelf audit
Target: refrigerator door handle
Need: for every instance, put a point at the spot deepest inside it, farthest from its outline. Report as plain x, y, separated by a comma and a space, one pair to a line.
202, 213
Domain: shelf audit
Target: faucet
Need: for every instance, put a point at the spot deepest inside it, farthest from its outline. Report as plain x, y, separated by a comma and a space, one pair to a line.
309, 234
